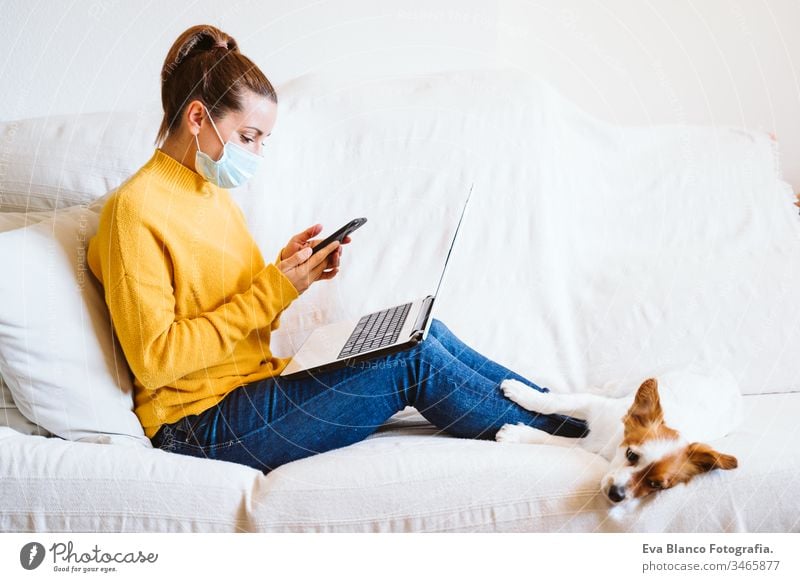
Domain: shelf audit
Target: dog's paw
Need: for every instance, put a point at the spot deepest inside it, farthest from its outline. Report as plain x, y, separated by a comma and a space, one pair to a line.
508, 433
514, 389
516, 433
522, 394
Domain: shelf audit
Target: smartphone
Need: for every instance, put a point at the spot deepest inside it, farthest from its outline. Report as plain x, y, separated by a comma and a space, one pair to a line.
340, 234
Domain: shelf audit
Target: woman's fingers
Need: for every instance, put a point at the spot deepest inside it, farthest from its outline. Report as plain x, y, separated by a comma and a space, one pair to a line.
321, 257
321, 261
302, 237
307, 268
307, 234
298, 258
334, 258
300, 240
328, 274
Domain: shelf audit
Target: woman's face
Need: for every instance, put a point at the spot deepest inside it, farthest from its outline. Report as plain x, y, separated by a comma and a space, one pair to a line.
247, 128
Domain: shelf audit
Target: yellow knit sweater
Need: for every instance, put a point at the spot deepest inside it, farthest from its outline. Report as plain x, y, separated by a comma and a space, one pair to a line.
190, 297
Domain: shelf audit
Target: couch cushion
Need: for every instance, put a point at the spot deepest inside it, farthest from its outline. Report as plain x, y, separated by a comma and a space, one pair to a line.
407, 476
9, 413
53, 485
11, 417
62, 160
415, 478
58, 354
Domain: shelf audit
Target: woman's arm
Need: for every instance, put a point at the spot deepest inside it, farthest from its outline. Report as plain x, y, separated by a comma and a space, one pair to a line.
160, 348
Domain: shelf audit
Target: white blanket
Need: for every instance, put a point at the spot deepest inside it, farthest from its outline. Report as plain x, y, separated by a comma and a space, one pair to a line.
593, 253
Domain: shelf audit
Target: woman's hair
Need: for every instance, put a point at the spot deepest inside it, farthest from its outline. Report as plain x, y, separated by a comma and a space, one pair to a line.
205, 63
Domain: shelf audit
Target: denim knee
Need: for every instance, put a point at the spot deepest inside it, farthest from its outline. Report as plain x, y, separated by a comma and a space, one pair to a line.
427, 346
437, 327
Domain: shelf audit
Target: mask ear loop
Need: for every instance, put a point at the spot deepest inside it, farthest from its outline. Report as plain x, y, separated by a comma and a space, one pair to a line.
214, 126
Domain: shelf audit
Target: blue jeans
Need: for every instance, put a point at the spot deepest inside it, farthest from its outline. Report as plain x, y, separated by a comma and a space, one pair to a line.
270, 422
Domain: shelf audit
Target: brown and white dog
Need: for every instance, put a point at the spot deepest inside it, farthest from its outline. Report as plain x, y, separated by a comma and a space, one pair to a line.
653, 440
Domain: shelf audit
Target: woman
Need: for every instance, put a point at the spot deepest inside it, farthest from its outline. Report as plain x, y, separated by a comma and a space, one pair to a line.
193, 303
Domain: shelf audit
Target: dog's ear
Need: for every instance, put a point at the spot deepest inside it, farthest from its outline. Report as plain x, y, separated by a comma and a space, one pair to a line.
704, 458
646, 408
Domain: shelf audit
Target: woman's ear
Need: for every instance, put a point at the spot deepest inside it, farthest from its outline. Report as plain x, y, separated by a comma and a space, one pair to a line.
194, 116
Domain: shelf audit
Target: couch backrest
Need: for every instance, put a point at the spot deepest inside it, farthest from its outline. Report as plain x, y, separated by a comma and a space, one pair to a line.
591, 252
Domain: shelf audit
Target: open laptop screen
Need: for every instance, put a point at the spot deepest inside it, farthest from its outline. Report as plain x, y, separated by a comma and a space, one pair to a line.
452, 242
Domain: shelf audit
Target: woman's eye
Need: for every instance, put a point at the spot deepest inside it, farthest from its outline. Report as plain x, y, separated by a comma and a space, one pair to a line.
632, 457
246, 139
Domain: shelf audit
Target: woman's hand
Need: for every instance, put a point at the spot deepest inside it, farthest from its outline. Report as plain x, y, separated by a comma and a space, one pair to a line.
302, 240
798, 200
302, 270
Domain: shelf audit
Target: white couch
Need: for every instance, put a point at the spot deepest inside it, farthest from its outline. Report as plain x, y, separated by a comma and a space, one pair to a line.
593, 255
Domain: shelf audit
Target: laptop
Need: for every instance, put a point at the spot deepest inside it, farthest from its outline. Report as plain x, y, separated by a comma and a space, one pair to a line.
376, 334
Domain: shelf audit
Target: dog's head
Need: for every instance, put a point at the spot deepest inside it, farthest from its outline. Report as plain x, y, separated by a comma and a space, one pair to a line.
654, 456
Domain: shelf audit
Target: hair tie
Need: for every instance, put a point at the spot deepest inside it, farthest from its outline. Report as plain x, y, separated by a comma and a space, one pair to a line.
222, 44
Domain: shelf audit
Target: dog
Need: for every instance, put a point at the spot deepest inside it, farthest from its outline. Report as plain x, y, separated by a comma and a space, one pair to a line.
653, 440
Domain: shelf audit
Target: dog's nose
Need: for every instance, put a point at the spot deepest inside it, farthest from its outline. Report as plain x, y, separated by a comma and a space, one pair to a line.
616, 493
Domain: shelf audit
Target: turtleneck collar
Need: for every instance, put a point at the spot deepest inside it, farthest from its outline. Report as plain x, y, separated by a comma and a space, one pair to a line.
178, 175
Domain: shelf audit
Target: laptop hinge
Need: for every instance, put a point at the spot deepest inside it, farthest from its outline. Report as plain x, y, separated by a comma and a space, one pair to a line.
419, 324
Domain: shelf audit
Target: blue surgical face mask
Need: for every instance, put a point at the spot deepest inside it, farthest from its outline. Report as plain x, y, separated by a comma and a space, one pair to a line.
232, 169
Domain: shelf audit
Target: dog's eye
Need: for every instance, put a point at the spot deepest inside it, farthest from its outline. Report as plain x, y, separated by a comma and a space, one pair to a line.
655, 484
632, 457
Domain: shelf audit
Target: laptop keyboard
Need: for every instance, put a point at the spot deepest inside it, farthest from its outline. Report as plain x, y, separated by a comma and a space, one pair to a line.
376, 330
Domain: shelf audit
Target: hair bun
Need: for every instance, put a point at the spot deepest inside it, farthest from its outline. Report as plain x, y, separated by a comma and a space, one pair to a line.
201, 39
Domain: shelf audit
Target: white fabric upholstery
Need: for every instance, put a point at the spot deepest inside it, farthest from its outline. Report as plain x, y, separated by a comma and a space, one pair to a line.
9, 413
11, 417
57, 349
592, 255
405, 477
60, 161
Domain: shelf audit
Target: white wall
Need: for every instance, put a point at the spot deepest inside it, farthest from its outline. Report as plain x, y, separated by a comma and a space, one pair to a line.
717, 62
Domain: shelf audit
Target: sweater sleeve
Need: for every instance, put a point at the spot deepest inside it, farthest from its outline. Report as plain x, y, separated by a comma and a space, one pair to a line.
161, 349
276, 323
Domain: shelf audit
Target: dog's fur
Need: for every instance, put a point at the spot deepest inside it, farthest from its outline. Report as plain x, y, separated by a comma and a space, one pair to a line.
653, 439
